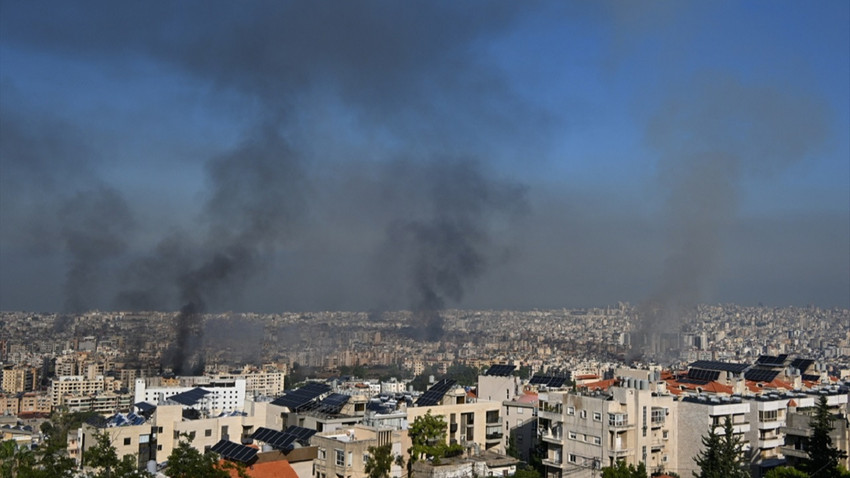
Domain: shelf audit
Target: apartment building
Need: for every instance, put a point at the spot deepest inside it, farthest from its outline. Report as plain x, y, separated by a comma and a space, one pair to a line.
469, 422
67, 387
699, 414
19, 379
344, 453
610, 421
215, 395
797, 427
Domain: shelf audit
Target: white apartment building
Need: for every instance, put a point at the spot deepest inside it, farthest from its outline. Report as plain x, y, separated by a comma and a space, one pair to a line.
224, 395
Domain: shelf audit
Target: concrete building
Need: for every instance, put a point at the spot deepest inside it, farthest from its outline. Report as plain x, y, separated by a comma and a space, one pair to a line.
19, 379
519, 417
66, 387
343, 453
594, 427
469, 423
223, 395
698, 415
797, 428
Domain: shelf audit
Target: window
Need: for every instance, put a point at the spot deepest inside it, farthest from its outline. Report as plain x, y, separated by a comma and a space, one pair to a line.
322, 454
768, 415
572, 435
597, 417
340, 458
571, 410
127, 441
572, 458
159, 448
597, 440
207, 433
519, 411
583, 414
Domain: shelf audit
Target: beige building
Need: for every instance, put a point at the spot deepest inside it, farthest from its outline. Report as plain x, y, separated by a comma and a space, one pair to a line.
343, 453
586, 430
471, 424
19, 379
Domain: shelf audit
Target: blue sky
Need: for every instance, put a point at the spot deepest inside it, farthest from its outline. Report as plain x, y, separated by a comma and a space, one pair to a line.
278, 156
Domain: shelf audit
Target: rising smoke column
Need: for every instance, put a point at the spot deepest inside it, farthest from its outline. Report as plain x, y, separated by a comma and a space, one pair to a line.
710, 138
95, 227
444, 248
255, 203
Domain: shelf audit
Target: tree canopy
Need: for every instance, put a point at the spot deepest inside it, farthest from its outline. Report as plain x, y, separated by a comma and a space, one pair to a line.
824, 457
379, 461
722, 455
621, 470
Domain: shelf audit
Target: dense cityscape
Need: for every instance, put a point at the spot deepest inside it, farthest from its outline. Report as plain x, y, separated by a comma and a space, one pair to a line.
353, 380
424, 239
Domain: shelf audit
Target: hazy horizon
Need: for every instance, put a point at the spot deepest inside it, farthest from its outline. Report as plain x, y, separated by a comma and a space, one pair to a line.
301, 156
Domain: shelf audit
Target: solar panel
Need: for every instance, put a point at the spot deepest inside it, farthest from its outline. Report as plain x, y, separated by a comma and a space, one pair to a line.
190, 397
703, 375
811, 378
300, 433
333, 403
500, 370
722, 366
435, 394
295, 399
552, 381
759, 375
233, 451
276, 439
802, 364
145, 407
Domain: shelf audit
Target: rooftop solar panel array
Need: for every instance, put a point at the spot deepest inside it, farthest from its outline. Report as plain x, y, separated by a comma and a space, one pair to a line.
722, 366
279, 440
145, 407
772, 360
552, 381
811, 378
190, 397
301, 434
703, 375
500, 370
802, 364
435, 394
295, 399
235, 452
759, 375
333, 403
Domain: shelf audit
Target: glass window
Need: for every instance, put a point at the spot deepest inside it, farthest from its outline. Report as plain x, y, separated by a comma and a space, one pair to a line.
340, 458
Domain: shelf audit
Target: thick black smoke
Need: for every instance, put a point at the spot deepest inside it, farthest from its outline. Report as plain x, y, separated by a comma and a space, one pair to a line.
256, 202
709, 138
440, 248
95, 226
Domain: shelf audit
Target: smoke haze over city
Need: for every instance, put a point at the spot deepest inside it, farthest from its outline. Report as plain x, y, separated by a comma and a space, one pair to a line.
271, 156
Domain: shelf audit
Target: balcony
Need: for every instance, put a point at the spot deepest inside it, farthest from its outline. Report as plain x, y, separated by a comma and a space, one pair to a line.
549, 414
771, 443
551, 435
771, 425
552, 462
791, 451
619, 452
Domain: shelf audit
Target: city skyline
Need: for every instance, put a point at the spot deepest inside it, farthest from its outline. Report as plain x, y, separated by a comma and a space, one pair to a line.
378, 156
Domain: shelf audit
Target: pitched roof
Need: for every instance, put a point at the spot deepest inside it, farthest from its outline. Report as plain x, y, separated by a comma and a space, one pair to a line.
269, 469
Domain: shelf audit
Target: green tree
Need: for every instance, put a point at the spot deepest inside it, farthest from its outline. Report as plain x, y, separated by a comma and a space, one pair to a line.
379, 461
785, 472
15, 461
823, 457
428, 435
621, 470
722, 455
187, 462
527, 473
103, 458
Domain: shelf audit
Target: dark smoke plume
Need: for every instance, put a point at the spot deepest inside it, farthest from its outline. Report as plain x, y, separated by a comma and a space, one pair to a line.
95, 226
445, 247
255, 204
709, 139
